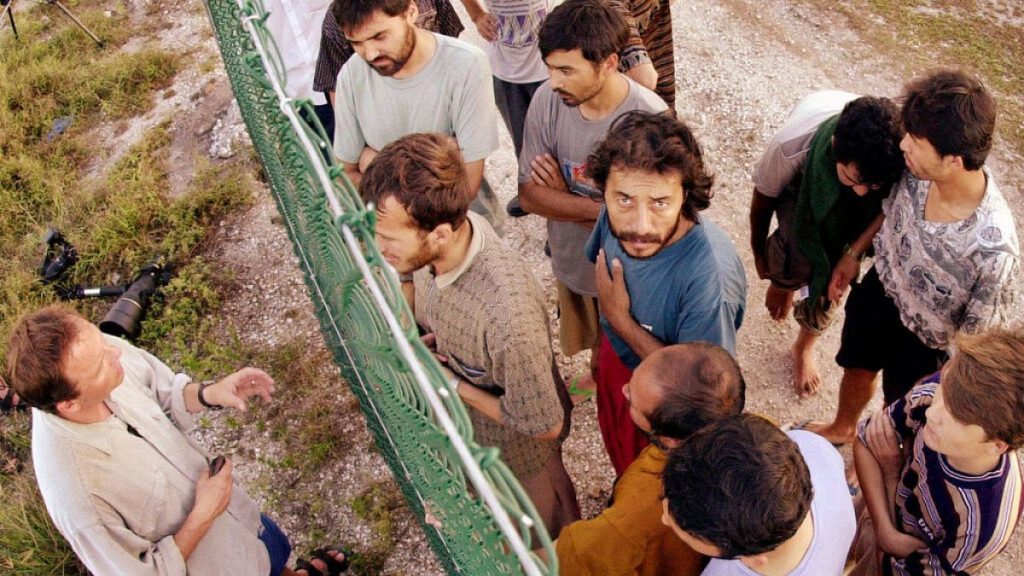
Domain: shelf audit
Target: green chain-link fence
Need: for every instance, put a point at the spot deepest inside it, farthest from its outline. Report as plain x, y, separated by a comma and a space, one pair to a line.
476, 517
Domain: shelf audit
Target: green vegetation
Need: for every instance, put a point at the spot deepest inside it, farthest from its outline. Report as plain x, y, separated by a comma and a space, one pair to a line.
118, 220
377, 505
921, 34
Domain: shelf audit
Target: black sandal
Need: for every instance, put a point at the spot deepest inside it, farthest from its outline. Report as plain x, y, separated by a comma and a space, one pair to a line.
334, 567
8, 402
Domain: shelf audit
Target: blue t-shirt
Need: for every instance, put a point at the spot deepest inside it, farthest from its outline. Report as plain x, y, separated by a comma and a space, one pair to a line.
694, 289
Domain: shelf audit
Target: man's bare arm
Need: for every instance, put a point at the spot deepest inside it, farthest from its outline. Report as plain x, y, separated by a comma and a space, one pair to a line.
879, 489
849, 264
475, 176
762, 208
353, 173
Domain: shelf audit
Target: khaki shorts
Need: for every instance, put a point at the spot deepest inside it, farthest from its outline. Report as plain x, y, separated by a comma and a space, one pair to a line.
578, 327
814, 317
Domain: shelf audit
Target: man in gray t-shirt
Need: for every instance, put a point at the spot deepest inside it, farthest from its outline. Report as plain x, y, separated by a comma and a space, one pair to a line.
568, 116
409, 80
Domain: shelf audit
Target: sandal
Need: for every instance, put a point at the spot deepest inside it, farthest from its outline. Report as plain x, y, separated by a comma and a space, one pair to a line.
10, 401
577, 394
334, 567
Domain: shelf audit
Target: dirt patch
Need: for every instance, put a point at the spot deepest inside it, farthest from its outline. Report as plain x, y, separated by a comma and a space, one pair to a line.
740, 67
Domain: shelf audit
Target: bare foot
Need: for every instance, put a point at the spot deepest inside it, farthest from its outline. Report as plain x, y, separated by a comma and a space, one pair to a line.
835, 434
806, 379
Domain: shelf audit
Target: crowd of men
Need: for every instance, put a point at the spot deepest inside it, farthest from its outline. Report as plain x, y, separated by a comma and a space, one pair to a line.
650, 286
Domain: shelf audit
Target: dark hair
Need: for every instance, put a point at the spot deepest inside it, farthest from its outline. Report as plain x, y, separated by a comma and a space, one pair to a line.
868, 135
593, 26
351, 14
654, 143
984, 383
954, 112
426, 175
35, 354
700, 383
739, 484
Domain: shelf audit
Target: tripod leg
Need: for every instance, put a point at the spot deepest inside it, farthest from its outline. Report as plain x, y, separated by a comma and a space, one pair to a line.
79, 22
9, 10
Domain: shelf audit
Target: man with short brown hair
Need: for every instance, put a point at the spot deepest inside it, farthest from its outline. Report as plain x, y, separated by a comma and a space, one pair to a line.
482, 311
123, 483
939, 469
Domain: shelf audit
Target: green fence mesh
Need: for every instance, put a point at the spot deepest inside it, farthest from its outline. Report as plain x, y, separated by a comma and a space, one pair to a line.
476, 517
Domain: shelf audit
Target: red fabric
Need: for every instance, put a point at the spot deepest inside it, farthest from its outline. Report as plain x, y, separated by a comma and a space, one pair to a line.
622, 439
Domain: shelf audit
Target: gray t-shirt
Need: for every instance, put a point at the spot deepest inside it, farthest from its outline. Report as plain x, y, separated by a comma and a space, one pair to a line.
453, 94
787, 150
554, 128
831, 511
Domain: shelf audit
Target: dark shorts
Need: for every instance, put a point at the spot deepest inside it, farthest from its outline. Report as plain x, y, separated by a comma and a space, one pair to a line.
875, 339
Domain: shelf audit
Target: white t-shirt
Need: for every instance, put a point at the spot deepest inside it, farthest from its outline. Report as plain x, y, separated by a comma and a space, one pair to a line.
296, 26
787, 150
453, 94
515, 55
831, 511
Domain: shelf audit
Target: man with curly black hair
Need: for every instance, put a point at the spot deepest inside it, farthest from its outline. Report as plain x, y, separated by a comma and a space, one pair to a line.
823, 176
665, 275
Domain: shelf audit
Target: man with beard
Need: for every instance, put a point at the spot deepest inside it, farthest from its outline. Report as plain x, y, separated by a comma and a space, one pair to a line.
673, 393
482, 310
409, 80
664, 274
946, 254
580, 42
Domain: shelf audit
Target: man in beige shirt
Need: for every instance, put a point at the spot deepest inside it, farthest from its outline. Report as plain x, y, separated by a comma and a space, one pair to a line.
482, 310
124, 484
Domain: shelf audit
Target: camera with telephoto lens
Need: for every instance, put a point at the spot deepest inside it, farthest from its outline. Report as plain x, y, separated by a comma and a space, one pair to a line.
125, 316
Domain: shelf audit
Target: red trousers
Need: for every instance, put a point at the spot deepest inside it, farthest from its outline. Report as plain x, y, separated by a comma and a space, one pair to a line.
622, 439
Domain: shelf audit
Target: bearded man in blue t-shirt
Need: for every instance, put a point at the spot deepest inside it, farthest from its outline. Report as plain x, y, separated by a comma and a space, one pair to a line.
664, 274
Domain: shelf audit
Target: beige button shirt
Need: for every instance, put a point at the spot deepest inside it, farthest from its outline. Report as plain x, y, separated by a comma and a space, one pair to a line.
119, 498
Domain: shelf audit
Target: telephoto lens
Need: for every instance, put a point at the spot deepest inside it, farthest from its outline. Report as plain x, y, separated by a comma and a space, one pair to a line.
125, 316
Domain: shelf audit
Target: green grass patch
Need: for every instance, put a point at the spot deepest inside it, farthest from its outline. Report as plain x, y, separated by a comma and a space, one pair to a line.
922, 34
119, 220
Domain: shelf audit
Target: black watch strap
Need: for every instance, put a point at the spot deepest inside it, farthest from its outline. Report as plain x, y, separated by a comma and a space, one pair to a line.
202, 398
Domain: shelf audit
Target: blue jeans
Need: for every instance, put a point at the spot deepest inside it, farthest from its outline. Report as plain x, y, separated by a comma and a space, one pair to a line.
277, 545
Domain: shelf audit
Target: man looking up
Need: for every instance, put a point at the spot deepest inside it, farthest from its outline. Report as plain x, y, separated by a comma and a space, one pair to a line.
823, 176
673, 393
580, 41
939, 468
123, 483
664, 274
946, 255
482, 310
759, 500
408, 80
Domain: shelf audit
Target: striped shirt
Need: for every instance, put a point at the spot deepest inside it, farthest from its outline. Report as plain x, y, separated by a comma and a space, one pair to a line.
435, 15
966, 520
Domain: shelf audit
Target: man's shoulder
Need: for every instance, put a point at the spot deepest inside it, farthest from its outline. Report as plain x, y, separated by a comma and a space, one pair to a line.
643, 99
454, 51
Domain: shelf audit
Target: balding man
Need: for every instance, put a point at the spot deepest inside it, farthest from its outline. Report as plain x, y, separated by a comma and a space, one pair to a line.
673, 393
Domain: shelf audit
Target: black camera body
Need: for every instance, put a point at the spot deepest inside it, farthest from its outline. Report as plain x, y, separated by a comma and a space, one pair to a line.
125, 316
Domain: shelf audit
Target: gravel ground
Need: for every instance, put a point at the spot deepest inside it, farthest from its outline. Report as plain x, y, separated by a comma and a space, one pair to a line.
741, 66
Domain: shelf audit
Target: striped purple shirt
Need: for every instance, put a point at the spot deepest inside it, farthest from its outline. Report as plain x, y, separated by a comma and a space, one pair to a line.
966, 520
